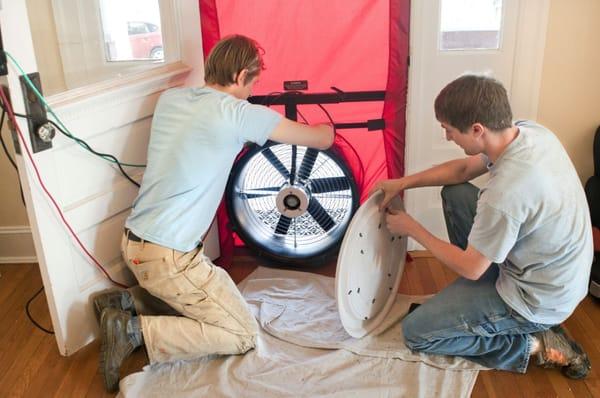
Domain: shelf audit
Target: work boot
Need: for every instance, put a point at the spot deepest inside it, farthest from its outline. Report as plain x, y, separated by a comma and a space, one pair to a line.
121, 334
119, 299
559, 350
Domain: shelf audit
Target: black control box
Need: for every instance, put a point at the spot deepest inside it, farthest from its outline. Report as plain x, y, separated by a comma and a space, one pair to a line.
289, 85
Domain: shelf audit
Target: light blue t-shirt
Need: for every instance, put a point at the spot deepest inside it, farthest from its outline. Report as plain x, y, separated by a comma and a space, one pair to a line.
195, 137
533, 220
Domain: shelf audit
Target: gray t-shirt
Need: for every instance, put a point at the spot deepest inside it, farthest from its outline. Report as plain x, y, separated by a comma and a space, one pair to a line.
195, 137
533, 220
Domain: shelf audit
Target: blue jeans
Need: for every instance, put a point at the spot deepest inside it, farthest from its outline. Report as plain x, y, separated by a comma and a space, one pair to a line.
468, 318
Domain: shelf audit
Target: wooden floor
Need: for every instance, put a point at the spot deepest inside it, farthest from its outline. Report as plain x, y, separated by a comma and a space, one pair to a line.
30, 365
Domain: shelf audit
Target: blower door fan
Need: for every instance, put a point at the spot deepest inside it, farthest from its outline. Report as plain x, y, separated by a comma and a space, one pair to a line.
291, 203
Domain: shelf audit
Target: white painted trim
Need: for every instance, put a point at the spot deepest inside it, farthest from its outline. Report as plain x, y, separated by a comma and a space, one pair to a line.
116, 98
529, 58
15, 229
188, 17
133, 85
18, 260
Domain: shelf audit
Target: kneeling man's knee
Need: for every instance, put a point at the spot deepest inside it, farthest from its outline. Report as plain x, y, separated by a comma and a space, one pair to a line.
412, 333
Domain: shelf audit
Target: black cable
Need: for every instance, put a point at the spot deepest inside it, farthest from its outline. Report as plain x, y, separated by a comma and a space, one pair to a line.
23, 199
279, 95
9, 158
29, 314
4, 110
84, 144
295, 92
100, 154
3, 144
302, 116
362, 168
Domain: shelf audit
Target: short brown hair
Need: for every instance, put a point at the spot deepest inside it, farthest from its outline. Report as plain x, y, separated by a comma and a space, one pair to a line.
230, 56
474, 99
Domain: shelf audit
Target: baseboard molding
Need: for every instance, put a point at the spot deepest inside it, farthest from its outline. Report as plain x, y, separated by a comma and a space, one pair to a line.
16, 245
15, 230
18, 260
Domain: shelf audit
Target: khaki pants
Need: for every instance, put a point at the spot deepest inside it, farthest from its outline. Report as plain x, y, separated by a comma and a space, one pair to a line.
216, 319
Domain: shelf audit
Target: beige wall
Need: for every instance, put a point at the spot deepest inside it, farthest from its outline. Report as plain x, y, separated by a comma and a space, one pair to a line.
12, 211
570, 88
16, 244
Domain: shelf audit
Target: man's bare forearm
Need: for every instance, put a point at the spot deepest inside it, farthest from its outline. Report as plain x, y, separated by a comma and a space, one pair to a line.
448, 173
452, 256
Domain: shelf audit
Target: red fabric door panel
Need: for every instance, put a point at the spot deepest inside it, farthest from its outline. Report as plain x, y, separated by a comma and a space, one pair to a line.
352, 45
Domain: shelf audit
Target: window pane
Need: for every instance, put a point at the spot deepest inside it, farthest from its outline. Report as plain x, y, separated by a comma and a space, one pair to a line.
470, 24
131, 30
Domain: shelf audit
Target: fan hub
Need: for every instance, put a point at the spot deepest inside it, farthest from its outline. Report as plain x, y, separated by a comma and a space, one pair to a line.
292, 201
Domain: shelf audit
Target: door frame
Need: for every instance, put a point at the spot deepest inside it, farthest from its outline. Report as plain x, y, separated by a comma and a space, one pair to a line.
525, 83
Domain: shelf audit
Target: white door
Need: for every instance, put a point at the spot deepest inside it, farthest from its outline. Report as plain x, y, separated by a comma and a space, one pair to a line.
502, 38
114, 117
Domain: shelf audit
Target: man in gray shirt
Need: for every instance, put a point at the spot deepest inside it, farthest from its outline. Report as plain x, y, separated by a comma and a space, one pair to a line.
522, 244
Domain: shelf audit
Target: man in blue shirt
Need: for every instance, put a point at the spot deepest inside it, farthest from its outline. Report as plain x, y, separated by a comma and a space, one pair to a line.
522, 244
195, 137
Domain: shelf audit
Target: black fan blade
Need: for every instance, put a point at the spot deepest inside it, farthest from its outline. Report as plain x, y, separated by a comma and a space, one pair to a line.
308, 161
258, 192
283, 225
320, 215
293, 164
329, 184
274, 160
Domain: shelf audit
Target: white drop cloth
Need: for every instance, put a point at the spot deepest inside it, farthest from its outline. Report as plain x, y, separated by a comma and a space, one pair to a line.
303, 351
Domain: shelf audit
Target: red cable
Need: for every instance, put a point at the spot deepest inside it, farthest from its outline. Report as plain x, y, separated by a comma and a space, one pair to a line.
14, 121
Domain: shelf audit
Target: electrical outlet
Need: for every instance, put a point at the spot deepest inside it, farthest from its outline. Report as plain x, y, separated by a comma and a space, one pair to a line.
36, 112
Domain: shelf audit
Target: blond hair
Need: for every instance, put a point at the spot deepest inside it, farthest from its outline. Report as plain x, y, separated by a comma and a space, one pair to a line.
229, 57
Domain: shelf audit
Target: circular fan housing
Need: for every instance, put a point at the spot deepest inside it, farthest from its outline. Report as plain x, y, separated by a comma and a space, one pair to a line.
291, 203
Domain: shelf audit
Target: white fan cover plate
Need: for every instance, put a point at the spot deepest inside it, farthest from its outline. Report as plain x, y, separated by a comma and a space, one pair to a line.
369, 268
